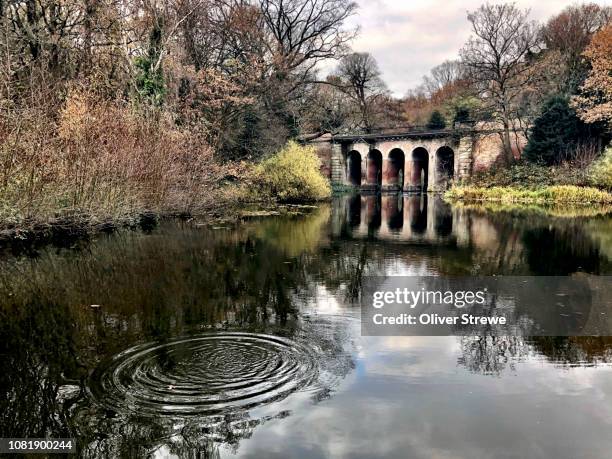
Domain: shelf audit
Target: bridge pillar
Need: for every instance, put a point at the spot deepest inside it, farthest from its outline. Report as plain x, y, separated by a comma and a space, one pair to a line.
432, 167
463, 163
364, 170
394, 170
338, 172
385, 173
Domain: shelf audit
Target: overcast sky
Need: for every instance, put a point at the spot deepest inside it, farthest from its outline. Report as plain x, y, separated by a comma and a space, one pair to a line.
409, 37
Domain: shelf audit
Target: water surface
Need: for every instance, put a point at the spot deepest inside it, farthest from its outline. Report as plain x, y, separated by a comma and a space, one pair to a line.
195, 341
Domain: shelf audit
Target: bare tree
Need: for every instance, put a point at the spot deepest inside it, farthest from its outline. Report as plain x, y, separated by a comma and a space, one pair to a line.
569, 33
44, 30
495, 58
361, 78
443, 75
305, 32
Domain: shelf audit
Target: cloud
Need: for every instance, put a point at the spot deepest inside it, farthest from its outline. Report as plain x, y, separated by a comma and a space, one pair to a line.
408, 38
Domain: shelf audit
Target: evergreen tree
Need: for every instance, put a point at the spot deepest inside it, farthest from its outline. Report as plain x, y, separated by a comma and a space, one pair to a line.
555, 133
462, 116
436, 121
150, 83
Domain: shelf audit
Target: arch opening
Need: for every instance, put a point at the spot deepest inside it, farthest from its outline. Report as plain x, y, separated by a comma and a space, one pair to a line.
445, 170
395, 168
375, 168
354, 168
420, 169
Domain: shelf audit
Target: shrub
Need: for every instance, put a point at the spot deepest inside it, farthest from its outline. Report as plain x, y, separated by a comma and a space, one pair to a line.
531, 176
292, 174
105, 161
600, 172
522, 174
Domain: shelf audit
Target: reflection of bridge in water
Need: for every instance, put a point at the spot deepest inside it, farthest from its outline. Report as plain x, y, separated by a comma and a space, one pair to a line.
415, 218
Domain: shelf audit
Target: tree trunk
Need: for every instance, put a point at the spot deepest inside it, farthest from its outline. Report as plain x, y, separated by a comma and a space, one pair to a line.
507, 144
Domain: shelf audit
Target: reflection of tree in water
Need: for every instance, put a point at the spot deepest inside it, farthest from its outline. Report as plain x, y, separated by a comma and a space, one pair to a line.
522, 243
103, 435
557, 251
570, 314
157, 286
135, 437
152, 288
332, 338
574, 350
491, 355
355, 278
443, 221
37, 357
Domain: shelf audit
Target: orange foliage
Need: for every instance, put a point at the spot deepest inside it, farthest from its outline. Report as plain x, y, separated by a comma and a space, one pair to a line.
595, 102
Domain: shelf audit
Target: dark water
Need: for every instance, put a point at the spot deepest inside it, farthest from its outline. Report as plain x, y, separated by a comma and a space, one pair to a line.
239, 342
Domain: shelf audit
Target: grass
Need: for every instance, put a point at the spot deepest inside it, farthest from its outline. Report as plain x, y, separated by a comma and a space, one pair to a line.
556, 194
341, 188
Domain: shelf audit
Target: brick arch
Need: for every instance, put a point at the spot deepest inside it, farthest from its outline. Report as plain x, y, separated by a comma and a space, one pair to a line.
419, 176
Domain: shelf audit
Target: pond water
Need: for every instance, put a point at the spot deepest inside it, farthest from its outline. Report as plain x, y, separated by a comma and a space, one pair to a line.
184, 340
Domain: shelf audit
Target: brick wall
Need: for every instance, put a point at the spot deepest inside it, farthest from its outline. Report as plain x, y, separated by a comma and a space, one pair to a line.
488, 149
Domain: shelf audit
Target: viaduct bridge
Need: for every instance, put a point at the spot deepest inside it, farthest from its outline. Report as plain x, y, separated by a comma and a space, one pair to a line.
416, 160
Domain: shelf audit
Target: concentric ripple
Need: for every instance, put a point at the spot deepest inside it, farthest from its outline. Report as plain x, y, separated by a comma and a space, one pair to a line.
204, 374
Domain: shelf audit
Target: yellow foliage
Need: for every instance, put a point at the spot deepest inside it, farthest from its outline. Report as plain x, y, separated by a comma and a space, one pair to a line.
600, 172
293, 174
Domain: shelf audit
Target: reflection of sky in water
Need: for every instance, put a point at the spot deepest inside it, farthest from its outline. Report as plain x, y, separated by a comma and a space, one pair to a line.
408, 398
